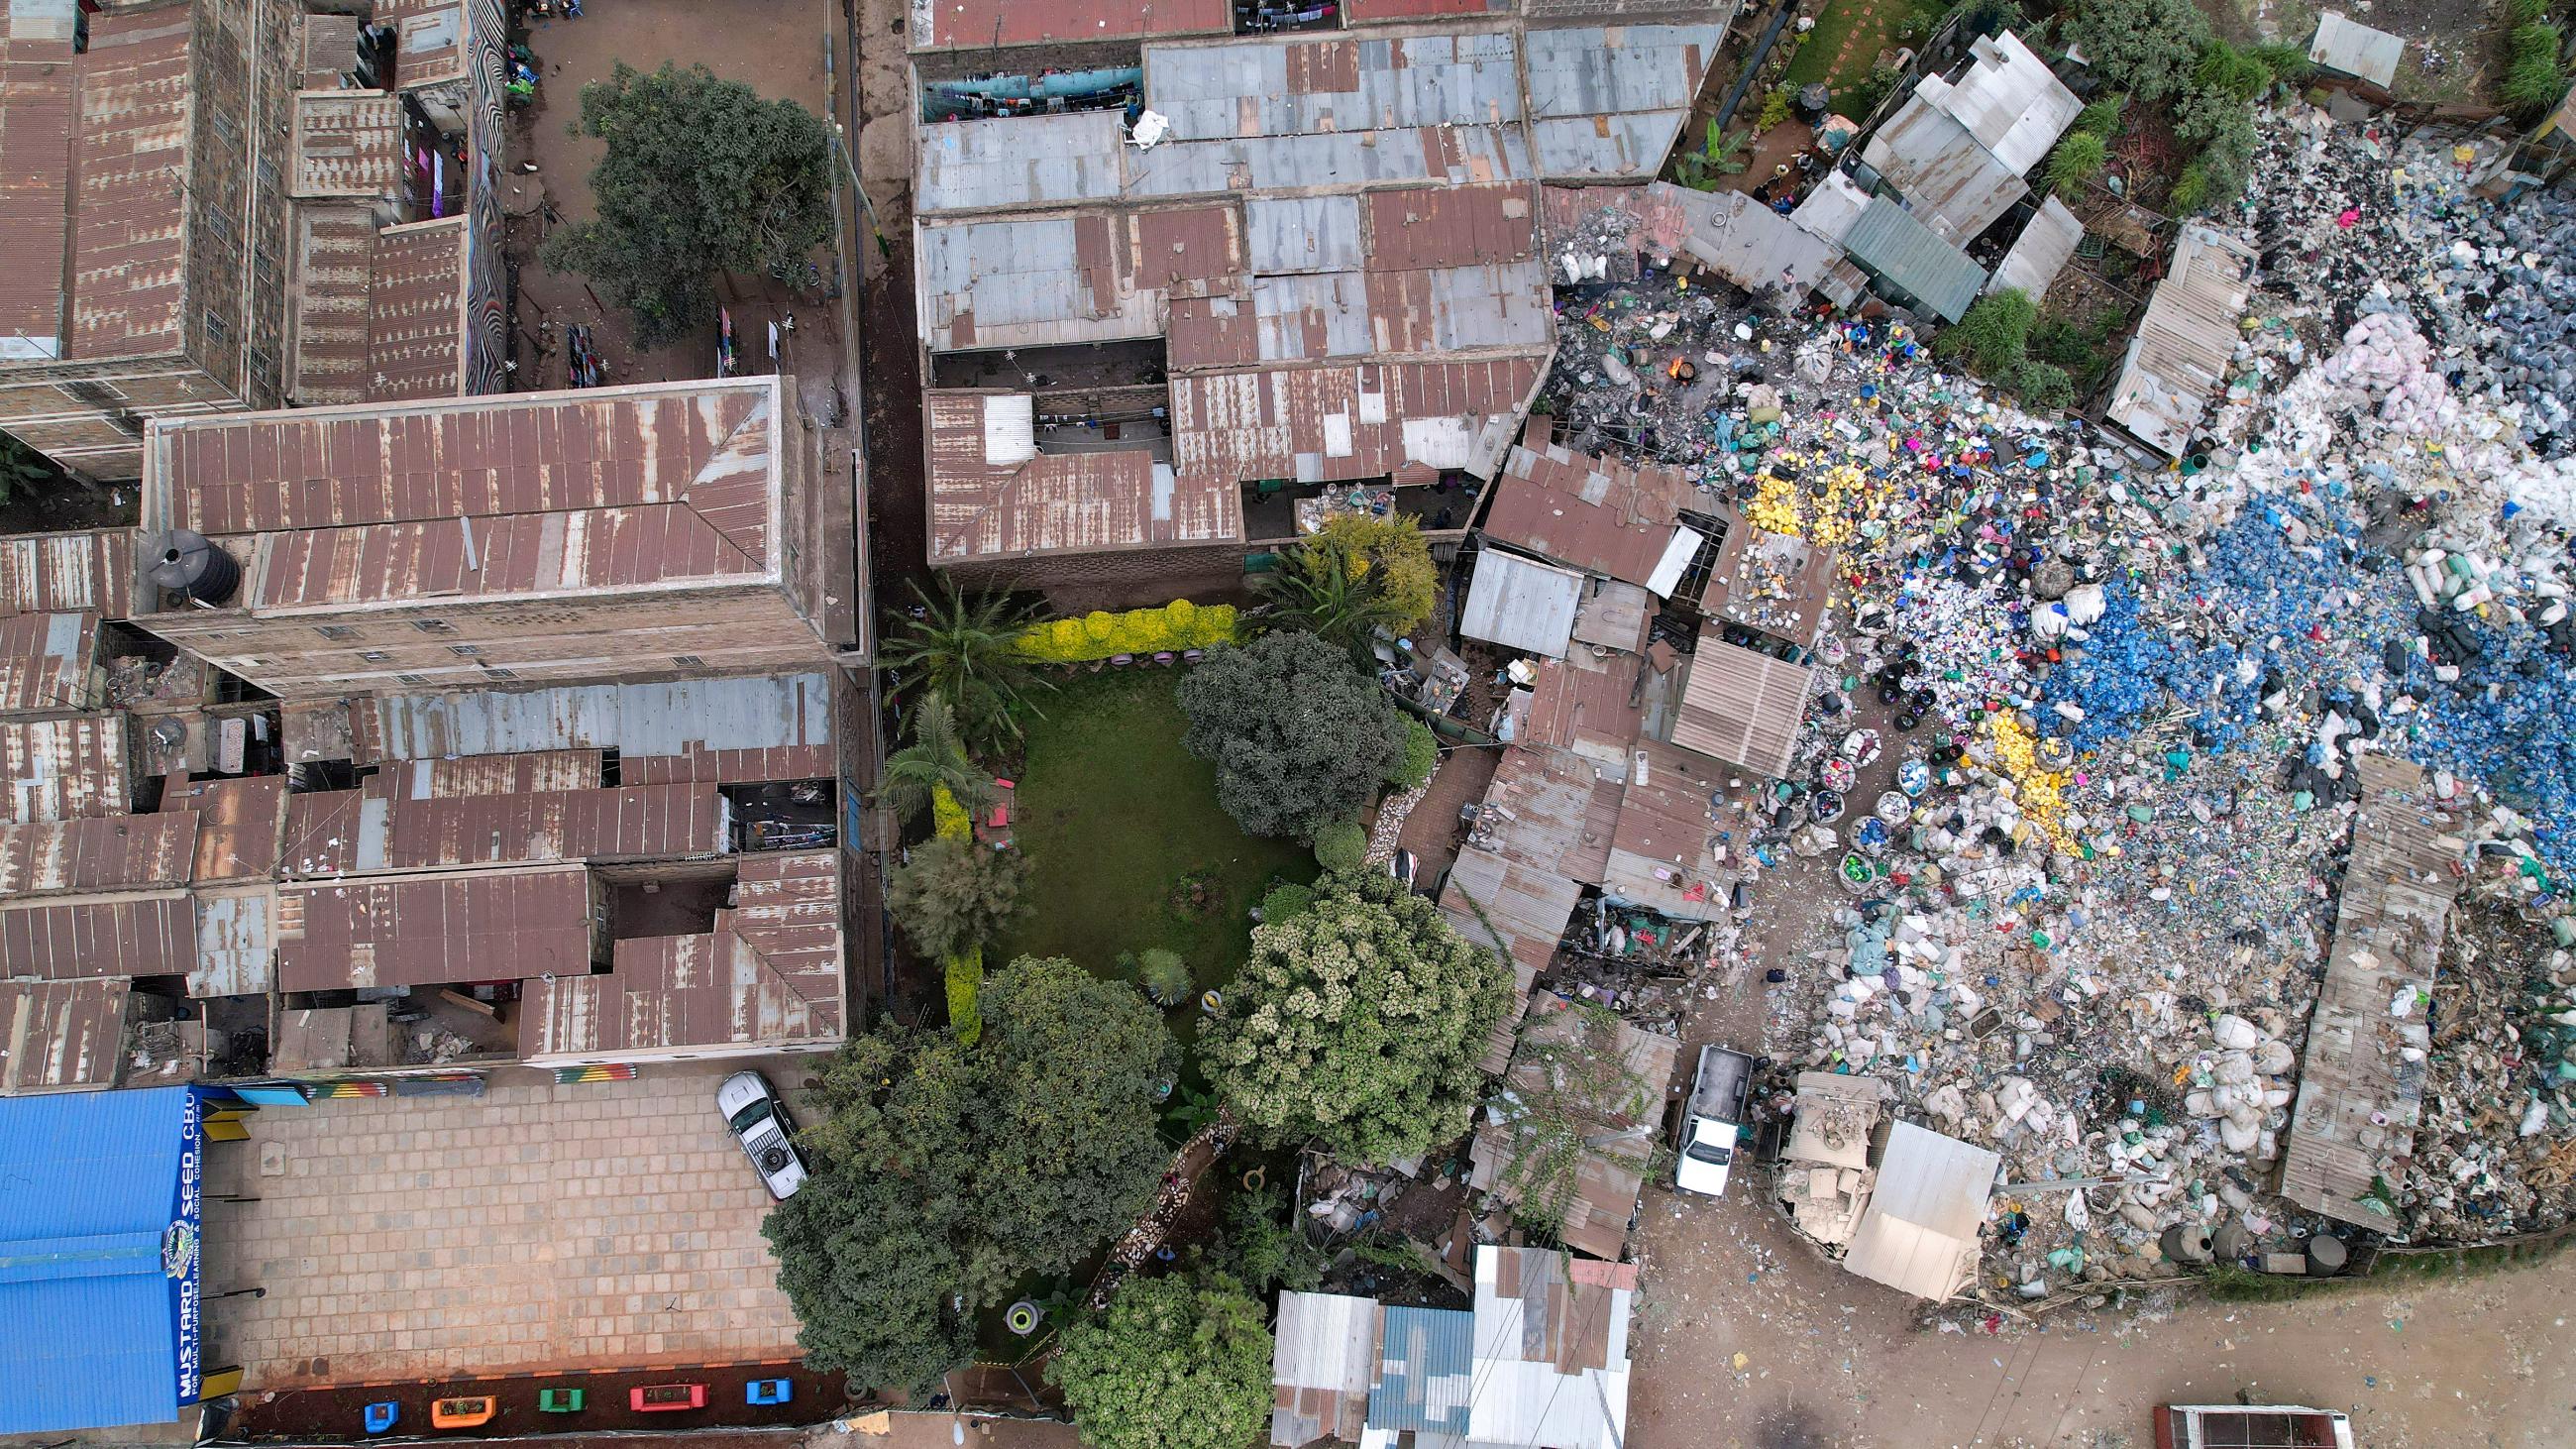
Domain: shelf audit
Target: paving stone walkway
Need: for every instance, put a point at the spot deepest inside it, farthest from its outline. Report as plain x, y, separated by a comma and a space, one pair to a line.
536, 1227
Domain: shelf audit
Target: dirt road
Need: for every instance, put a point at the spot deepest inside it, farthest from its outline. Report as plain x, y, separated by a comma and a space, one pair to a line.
1745, 1336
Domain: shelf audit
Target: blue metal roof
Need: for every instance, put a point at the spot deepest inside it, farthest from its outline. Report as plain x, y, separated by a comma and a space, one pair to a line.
1887, 242
1426, 1370
99, 1200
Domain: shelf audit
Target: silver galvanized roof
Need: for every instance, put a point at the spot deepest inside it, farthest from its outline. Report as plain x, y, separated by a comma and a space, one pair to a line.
1019, 161
1303, 233
1591, 70
1749, 244
2040, 252
1904, 253
664, 718
2007, 99
1521, 603
2348, 47
1269, 87
2184, 342
1953, 185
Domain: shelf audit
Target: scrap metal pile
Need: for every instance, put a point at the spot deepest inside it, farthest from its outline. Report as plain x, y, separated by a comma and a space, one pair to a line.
2092, 830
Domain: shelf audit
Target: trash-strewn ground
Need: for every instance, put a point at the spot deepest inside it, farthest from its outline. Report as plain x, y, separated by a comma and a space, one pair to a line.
2120, 703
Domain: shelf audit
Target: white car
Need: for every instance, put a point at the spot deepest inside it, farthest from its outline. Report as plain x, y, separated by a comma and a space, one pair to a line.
759, 1122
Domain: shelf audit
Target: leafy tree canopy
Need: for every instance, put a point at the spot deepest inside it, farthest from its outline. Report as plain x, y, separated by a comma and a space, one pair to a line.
1391, 554
702, 176
944, 1174
1172, 1365
968, 652
1299, 739
2146, 47
955, 895
1359, 1021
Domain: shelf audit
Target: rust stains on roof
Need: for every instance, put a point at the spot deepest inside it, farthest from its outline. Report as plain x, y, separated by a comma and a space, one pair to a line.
129, 207
46, 662
1548, 809
540, 493
1593, 514
335, 248
982, 24
417, 324
341, 832
102, 853
1659, 849
236, 941
346, 143
47, 572
429, 39
241, 825
61, 1035
37, 74
62, 769
994, 495
768, 973
85, 937
1449, 226
1592, 713
425, 930
1772, 583
783, 762
532, 772
1334, 423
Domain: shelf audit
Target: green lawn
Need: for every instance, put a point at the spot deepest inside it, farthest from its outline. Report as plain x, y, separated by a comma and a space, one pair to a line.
1113, 814
1851, 32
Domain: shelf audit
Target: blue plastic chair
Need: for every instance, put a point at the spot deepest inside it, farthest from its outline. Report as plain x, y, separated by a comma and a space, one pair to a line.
380, 1417
768, 1391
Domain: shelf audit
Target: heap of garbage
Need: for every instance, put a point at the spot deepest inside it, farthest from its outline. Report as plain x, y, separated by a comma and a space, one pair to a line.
2082, 745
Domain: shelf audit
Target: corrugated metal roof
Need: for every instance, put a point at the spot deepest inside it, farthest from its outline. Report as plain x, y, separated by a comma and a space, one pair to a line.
1741, 706
1423, 1380
1919, 1233
331, 833
1615, 615
129, 248
1607, 101
2348, 47
424, 930
1517, 911
335, 249
1042, 281
2007, 99
2040, 252
418, 325
1551, 810
684, 717
1954, 186
1304, 234
1591, 708
346, 143
1521, 603
2184, 341
535, 771
1018, 161
46, 662
1332, 85
1364, 12
1348, 421
1905, 254
1748, 243
60, 1036
236, 942
37, 102
1659, 849
2355, 1079
993, 495
240, 825
985, 24
768, 975
97, 1340
1831, 210
1322, 1356
1552, 1361
529, 494
73, 938
60, 769
102, 853
1457, 155
1592, 513
43, 572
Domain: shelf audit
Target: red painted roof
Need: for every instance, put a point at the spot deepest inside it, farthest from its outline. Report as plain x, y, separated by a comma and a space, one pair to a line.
970, 24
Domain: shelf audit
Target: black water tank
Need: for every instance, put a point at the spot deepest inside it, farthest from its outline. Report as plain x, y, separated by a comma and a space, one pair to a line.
189, 564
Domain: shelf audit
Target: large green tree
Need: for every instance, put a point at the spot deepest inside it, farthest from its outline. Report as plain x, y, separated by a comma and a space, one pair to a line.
937, 756
1299, 739
1171, 1365
954, 895
702, 176
2145, 47
1359, 1021
968, 651
944, 1174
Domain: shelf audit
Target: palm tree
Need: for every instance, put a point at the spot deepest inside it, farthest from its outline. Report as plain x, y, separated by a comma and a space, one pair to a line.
969, 653
1315, 590
936, 757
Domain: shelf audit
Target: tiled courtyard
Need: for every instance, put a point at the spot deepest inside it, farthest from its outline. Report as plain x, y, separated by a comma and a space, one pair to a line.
535, 1227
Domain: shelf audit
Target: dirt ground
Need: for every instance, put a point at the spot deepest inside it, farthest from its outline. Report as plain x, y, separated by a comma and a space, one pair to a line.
775, 47
1745, 1336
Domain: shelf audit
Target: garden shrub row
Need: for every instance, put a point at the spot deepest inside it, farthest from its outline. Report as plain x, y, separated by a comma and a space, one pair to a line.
1101, 635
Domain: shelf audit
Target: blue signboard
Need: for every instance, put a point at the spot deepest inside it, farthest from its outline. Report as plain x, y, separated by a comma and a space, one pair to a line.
181, 1248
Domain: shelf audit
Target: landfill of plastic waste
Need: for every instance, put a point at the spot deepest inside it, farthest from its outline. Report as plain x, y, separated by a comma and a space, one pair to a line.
2087, 924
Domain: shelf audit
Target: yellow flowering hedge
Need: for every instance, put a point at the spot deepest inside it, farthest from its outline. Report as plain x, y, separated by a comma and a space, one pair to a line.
965, 987
948, 816
1174, 627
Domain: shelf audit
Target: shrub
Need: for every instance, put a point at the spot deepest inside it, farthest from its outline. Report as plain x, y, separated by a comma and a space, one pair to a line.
1172, 628
1775, 109
2146, 47
1341, 846
1165, 977
1421, 755
2044, 385
2190, 190
965, 985
949, 818
1994, 334
2533, 79
1285, 901
954, 894
2102, 118
2287, 62
2078, 159
1172, 1364
2224, 69
1299, 738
